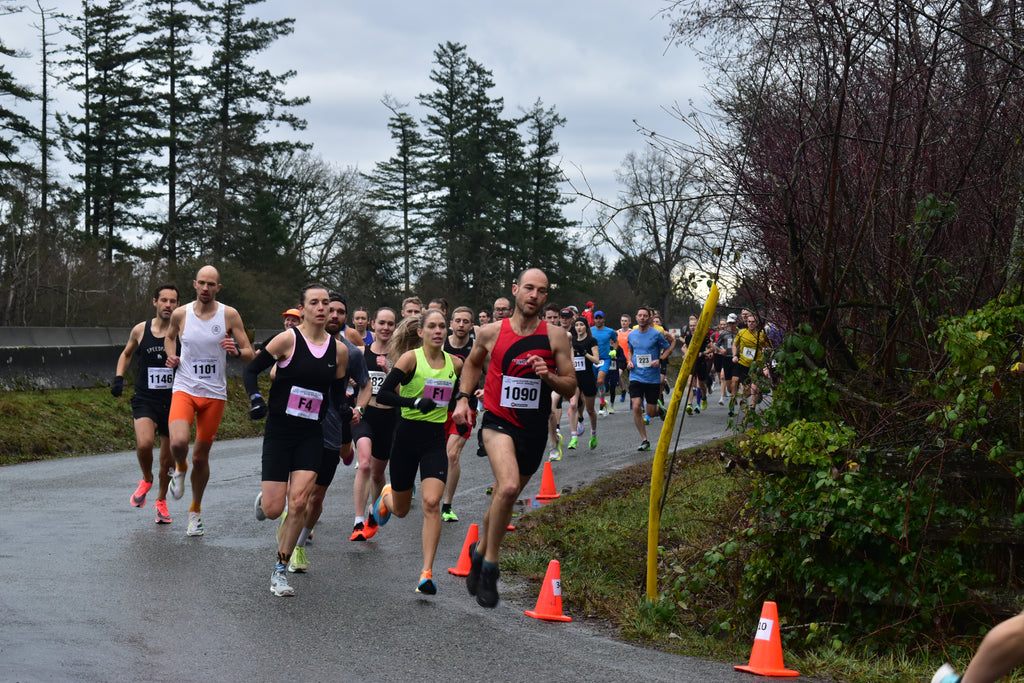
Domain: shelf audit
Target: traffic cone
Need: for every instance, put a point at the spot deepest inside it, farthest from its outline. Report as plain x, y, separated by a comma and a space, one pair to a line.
549, 604
766, 655
547, 484
462, 568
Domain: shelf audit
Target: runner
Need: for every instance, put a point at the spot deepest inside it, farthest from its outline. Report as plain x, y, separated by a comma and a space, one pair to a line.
337, 445
151, 402
647, 349
622, 334
603, 335
422, 383
584, 354
747, 348
373, 434
723, 358
208, 332
361, 322
612, 379
411, 307
309, 371
502, 309
459, 343
553, 319
526, 360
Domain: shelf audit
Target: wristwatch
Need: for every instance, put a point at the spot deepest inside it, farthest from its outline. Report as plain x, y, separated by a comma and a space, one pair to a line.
360, 409
463, 394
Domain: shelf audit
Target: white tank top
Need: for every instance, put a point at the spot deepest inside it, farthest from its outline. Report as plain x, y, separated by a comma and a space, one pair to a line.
201, 371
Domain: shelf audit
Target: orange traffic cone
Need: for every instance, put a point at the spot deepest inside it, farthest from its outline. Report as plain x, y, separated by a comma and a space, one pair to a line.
462, 568
547, 484
549, 604
766, 656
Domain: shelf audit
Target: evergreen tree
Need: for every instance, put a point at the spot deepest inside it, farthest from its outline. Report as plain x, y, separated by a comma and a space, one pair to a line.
111, 139
398, 188
242, 102
14, 127
171, 71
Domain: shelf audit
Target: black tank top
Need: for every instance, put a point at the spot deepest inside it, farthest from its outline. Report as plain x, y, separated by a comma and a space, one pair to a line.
376, 374
153, 378
302, 388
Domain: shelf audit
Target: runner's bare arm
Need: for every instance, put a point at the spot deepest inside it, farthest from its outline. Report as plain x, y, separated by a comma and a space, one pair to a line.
236, 342
174, 329
565, 381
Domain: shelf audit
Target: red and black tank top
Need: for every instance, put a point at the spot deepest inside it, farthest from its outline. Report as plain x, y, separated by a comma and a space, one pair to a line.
512, 390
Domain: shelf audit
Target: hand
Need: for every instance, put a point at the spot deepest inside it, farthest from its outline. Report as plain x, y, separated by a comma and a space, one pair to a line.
425, 405
229, 345
172, 361
257, 407
117, 386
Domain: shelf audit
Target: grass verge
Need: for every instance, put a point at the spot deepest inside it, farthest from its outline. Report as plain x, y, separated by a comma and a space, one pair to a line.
59, 422
599, 537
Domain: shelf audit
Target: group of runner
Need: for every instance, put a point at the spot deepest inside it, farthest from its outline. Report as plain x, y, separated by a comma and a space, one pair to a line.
397, 392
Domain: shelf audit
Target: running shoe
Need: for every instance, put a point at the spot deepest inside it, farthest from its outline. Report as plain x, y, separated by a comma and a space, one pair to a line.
703, 404
645, 445
696, 411
426, 584
623, 399
689, 409
298, 563
611, 408
602, 413
946, 674
358, 532
162, 515
476, 561
721, 401
195, 525
258, 506
449, 515
487, 586
593, 442
279, 583
138, 498
579, 428
347, 460
381, 514
177, 488
572, 443
309, 539
647, 419
602, 406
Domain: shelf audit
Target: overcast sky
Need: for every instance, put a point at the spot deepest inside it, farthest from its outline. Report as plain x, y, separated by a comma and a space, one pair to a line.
600, 63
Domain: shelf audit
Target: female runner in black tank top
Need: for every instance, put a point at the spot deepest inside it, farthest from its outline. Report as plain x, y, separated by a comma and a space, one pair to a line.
373, 435
310, 367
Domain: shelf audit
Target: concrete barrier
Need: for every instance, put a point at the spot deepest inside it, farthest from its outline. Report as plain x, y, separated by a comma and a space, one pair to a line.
70, 357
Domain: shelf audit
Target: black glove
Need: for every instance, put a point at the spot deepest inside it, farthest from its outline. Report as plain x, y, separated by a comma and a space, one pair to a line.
257, 407
463, 430
424, 405
117, 387
345, 412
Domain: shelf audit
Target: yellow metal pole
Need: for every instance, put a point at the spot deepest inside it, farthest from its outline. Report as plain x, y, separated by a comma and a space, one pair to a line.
661, 452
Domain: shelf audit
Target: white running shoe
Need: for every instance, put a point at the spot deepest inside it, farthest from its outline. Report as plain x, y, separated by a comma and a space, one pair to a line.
279, 583
177, 487
195, 525
602, 413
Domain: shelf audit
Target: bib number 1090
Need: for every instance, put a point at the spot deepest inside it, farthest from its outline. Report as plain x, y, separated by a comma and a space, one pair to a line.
520, 392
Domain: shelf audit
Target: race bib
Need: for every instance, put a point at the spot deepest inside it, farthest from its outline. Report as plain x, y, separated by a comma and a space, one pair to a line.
520, 392
579, 363
377, 380
643, 360
159, 378
304, 403
440, 390
749, 352
612, 366
204, 368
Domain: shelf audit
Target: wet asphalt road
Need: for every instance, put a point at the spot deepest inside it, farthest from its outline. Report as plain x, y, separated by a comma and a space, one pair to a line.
93, 590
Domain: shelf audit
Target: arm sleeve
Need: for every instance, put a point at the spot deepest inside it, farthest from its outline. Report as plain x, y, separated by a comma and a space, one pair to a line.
388, 393
261, 362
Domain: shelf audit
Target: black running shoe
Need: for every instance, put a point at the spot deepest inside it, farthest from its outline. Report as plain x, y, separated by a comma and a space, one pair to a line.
487, 588
476, 561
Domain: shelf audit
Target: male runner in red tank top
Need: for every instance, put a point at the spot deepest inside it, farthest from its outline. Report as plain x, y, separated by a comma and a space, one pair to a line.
527, 360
